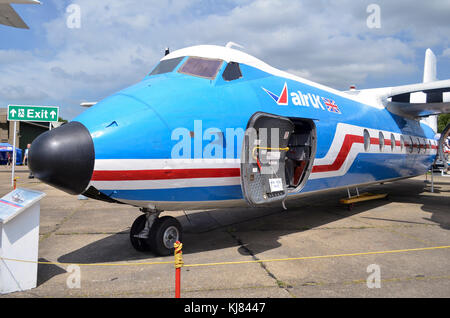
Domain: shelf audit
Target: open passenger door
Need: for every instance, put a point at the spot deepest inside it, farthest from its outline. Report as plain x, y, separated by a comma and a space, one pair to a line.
277, 156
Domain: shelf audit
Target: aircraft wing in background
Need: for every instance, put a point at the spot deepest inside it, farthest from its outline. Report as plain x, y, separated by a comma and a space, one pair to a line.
420, 100
431, 97
8, 16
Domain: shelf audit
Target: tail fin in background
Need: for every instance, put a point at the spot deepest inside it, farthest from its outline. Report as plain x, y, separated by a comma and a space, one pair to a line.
429, 75
429, 69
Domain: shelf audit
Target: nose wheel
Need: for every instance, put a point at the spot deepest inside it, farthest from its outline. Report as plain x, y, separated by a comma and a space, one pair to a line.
151, 233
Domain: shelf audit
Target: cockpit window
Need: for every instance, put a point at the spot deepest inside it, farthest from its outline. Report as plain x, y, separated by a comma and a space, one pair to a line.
232, 72
166, 66
202, 67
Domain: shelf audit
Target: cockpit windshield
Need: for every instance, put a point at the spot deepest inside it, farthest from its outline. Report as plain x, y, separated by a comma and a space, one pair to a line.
166, 66
202, 67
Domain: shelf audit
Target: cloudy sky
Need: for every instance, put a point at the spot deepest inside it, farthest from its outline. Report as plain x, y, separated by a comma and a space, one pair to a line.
337, 43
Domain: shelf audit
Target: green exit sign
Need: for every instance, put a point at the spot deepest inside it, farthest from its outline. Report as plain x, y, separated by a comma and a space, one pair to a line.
33, 113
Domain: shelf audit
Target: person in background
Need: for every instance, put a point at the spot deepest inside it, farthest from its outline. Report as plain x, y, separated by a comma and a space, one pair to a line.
25, 160
25, 157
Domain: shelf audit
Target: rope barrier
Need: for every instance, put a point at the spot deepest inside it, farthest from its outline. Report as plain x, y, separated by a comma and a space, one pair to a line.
85, 264
319, 256
239, 262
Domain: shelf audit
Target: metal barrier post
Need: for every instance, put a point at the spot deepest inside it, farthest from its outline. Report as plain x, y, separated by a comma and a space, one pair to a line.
14, 158
432, 181
178, 264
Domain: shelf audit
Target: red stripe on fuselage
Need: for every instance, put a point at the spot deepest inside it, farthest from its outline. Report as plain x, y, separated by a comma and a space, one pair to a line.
349, 140
163, 174
167, 174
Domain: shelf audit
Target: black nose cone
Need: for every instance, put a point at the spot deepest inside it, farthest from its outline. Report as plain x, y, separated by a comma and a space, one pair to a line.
64, 157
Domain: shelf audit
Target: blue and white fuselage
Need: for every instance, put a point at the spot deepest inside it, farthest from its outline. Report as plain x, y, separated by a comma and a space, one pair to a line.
174, 139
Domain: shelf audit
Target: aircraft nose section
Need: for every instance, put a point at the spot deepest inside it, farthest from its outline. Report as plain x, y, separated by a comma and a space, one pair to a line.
64, 157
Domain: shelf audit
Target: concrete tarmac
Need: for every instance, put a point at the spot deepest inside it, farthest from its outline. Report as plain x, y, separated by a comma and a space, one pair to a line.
262, 252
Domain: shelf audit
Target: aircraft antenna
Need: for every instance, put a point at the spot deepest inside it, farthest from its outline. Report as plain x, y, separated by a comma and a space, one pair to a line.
230, 44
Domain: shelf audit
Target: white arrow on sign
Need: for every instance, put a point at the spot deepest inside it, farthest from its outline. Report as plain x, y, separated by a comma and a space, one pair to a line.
53, 114
13, 112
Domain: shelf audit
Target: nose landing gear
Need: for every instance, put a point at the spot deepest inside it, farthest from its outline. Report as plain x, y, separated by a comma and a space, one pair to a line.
151, 233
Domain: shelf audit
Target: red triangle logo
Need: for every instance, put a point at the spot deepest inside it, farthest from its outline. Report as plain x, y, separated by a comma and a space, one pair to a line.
283, 100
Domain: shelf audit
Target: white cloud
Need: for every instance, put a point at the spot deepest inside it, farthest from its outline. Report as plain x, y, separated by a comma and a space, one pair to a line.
23, 93
446, 52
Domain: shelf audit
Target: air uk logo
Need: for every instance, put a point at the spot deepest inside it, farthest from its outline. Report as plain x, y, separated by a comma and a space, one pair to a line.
282, 99
304, 99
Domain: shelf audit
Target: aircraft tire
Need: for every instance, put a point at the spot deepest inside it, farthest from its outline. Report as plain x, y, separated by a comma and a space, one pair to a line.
139, 244
163, 234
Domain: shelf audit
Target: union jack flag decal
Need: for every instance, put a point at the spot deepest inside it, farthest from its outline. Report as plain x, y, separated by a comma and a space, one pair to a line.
331, 105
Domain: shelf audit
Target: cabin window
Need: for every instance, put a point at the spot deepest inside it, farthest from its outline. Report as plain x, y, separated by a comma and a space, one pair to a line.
393, 142
381, 140
402, 142
166, 66
366, 140
201, 67
232, 72
411, 145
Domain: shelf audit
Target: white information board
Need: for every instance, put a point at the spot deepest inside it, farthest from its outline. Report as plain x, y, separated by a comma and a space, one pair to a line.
19, 239
16, 202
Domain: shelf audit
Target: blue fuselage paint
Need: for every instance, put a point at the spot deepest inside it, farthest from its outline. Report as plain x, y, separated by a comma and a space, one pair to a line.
139, 123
